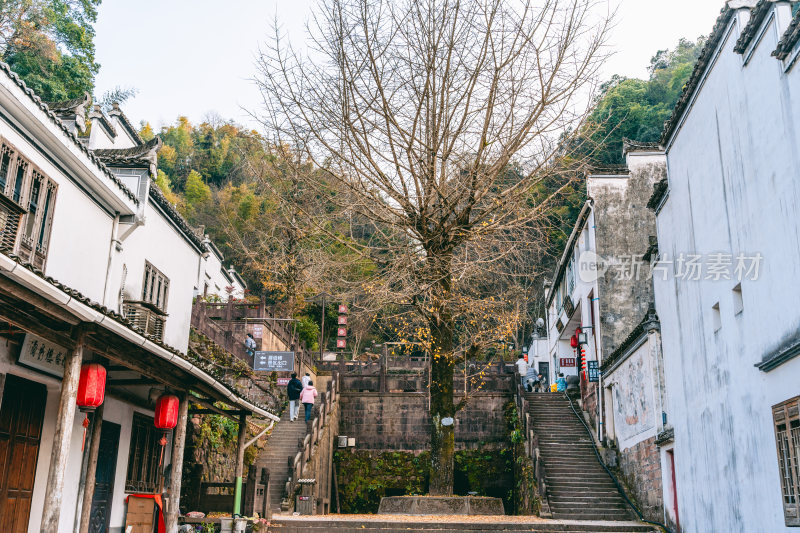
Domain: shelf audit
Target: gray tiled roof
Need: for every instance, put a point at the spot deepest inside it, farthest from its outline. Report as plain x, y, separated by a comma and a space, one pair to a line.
63, 127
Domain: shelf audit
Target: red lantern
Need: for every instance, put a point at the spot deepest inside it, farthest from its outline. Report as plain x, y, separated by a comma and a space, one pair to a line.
573, 341
166, 418
167, 411
91, 391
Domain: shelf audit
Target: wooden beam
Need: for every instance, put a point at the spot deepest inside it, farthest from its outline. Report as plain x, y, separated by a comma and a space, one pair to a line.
91, 470
234, 415
17, 291
22, 316
133, 382
176, 457
125, 396
65, 417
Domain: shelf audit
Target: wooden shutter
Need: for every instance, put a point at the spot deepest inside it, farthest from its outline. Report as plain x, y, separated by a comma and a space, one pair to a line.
786, 417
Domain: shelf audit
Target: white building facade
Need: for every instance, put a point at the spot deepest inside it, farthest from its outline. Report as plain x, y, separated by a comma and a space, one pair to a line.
728, 265
95, 266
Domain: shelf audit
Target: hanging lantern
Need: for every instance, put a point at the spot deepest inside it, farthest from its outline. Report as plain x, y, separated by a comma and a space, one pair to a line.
166, 411
573, 341
166, 418
91, 391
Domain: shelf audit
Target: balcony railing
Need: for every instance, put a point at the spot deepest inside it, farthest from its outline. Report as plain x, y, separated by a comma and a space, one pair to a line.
146, 318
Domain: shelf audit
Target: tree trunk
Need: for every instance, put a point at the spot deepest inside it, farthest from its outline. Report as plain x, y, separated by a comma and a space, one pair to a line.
442, 408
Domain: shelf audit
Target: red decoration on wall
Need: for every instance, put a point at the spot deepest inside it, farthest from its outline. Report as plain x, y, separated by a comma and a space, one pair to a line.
166, 411
91, 386
166, 418
91, 391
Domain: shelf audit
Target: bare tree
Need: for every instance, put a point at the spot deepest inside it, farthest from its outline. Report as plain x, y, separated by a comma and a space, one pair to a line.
443, 123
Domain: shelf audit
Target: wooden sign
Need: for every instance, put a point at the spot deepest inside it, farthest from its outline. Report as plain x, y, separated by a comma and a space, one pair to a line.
42, 355
568, 361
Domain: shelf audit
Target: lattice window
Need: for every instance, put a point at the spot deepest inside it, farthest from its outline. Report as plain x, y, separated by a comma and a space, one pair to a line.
787, 439
6, 156
155, 288
143, 470
15, 188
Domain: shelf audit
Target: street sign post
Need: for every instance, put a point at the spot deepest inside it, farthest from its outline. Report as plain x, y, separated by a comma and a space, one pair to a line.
273, 361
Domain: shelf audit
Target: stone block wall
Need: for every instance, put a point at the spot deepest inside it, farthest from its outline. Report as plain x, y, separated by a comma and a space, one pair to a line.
640, 466
400, 421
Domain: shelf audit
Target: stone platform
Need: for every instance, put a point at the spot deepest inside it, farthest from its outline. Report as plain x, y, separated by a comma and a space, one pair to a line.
441, 505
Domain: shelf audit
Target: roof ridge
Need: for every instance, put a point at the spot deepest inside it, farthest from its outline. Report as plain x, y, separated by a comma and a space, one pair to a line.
60, 124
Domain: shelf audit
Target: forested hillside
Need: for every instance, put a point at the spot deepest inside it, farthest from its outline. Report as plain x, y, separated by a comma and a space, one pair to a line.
246, 193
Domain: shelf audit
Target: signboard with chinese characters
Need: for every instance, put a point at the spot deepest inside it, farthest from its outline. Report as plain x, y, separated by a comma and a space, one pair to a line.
341, 343
567, 361
273, 361
282, 382
42, 355
341, 332
258, 331
593, 370
343, 320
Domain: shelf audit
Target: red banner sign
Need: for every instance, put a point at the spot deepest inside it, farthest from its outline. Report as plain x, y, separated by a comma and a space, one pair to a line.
341, 332
341, 343
343, 308
342, 320
568, 361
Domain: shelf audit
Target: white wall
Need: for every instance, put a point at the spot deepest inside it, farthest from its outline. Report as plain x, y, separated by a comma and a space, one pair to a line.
159, 242
81, 231
733, 188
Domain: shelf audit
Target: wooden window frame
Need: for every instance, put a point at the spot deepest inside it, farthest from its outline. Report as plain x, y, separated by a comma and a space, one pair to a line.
155, 279
787, 444
144, 474
31, 248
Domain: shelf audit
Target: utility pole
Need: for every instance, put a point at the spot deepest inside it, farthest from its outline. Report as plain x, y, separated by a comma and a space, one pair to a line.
322, 330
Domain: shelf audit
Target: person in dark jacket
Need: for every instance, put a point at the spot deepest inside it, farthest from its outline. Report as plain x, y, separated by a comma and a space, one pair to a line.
294, 388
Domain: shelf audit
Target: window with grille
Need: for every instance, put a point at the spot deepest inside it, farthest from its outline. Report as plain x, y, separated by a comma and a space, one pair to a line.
143, 470
155, 288
787, 439
29, 189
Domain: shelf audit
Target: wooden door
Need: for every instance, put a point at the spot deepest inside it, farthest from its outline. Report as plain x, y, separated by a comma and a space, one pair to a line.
21, 417
104, 478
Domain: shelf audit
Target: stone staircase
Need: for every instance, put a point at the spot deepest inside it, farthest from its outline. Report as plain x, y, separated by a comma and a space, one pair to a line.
578, 488
281, 444
336, 524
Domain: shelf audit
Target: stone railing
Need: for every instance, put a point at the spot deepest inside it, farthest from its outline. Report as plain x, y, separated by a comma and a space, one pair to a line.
532, 448
315, 450
399, 374
228, 323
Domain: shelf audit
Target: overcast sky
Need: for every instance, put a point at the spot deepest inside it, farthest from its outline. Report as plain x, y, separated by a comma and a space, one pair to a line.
195, 57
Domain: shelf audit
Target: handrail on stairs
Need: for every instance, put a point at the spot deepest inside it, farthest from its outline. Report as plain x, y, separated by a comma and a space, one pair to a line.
608, 471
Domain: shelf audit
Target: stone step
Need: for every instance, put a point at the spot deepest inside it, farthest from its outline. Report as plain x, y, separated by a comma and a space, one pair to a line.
298, 525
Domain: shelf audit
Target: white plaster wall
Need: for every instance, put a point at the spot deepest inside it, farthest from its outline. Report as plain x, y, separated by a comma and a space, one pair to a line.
81, 230
159, 242
733, 172
559, 346
633, 404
